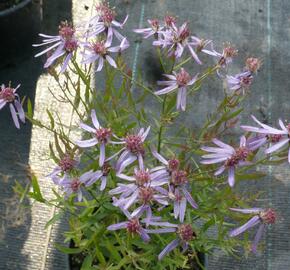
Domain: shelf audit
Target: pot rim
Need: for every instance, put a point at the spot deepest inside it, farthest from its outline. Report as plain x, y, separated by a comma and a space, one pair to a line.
14, 8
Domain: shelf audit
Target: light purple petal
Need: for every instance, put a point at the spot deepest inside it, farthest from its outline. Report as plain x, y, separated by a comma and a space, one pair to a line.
251, 223
95, 119
111, 61
182, 209
87, 128
14, 115
117, 226
247, 210
277, 146
172, 245
102, 154
20, 111
189, 198
87, 143
231, 178
166, 89
144, 235
258, 237
162, 230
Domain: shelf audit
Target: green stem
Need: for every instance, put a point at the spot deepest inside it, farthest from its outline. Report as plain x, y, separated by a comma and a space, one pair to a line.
161, 125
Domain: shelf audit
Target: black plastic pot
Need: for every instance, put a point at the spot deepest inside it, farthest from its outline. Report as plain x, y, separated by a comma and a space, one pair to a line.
19, 26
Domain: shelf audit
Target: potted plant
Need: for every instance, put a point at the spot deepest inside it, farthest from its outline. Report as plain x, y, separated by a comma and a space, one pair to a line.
142, 187
19, 24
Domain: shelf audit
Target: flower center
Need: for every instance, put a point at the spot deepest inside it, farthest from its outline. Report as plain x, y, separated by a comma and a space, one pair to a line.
169, 20
67, 163
134, 144
103, 134
7, 94
274, 138
99, 48
182, 78
246, 81
173, 164
146, 194
253, 64
75, 185
142, 177
179, 177
66, 31
229, 51
186, 232
154, 24
241, 154
107, 14
70, 45
184, 34
268, 216
133, 225
106, 169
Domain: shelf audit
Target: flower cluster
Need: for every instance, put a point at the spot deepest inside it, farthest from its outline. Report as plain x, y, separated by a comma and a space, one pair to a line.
94, 40
114, 166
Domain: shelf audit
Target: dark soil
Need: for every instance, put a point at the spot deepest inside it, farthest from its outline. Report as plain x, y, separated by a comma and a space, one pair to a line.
5, 4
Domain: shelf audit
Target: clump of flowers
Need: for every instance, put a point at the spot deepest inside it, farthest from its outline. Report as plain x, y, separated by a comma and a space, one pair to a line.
140, 182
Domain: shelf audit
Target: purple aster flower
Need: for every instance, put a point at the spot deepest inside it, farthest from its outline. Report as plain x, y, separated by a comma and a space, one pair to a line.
105, 21
241, 81
65, 165
100, 51
102, 136
279, 137
9, 96
224, 58
177, 39
64, 44
229, 156
169, 165
178, 81
142, 190
72, 185
132, 225
185, 234
179, 194
133, 150
261, 216
154, 29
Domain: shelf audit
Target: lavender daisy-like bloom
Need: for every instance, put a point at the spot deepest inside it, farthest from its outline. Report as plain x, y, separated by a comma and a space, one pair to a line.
65, 165
105, 21
133, 150
185, 234
72, 185
177, 39
178, 81
141, 190
241, 81
154, 29
179, 194
102, 136
263, 217
9, 96
230, 157
224, 58
169, 166
278, 137
100, 51
65, 43
132, 225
